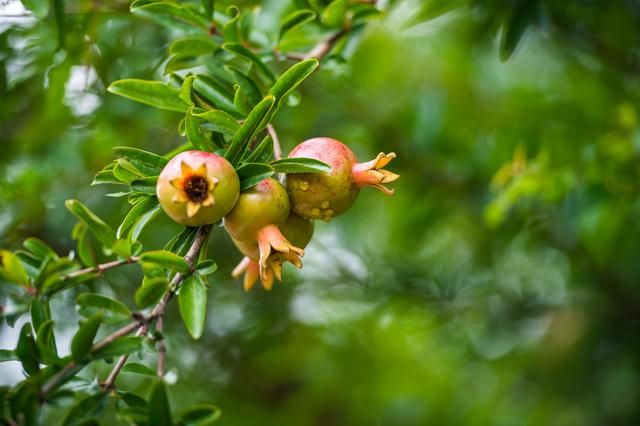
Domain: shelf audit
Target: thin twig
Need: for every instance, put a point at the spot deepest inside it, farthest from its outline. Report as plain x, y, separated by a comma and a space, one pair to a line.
100, 268
277, 151
325, 46
162, 348
108, 384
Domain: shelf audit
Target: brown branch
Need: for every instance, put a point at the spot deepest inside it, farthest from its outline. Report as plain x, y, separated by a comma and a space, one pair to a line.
100, 268
325, 46
140, 323
277, 151
162, 348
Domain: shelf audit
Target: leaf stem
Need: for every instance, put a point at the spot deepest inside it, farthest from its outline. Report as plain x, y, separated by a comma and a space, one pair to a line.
100, 268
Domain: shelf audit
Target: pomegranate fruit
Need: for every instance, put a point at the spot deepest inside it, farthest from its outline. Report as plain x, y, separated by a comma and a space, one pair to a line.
197, 188
255, 222
297, 230
326, 195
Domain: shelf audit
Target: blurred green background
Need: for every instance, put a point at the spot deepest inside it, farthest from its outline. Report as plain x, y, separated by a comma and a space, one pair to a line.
499, 286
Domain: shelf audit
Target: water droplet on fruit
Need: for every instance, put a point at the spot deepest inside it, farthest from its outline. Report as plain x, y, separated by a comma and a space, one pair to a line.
325, 204
304, 185
315, 212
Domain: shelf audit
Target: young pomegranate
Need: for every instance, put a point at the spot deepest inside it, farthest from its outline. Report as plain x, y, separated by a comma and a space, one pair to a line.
326, 195
255, 222
297, 230
197, 188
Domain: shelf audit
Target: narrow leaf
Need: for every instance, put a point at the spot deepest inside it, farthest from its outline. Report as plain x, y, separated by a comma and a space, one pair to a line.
89, 406
300, 165
112, 310
103, 232
240, 50
166, 259
136, 368
193, 305
83, 339
200, 415
122, 346
151, 291
159, 409
154, 93
254, 122
292, 78
295, 20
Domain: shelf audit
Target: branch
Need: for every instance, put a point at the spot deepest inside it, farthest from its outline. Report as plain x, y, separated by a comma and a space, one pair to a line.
162, 348
100, 268
325, 46
140, 323
277, 151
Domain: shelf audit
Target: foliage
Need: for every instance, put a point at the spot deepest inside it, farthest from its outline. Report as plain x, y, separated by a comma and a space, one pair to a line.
499, 286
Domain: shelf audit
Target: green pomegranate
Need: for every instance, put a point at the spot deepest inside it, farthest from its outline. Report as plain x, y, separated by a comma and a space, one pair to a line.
326, 195
197, 188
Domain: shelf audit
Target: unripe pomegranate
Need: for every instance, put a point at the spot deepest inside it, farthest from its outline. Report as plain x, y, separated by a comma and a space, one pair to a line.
197, 188
326, 195
255, 221
297, 230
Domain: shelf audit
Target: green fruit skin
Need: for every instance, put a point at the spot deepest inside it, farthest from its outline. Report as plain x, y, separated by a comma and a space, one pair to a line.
323, 195
225, 192
267, 203
296, 229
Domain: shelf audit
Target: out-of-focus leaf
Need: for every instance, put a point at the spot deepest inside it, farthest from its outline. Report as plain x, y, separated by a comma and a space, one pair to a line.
193, 305
12, 270
240, 50
431, 9
122, 346
159, 409
39, 8
38, 248
252, 173
295, 20
27, 350
300, 165
151, 291
103, 232
334, 14
46, 343
206, 267
207, 5
39, 312
85, 408
254, 122
83, 339
61, 21
159, 10
166, 259
200, 415
136, 368
112, 310
292, 78
195, 45
84, 249
130, 398
231, 31
8, 355
154, 93
515, 27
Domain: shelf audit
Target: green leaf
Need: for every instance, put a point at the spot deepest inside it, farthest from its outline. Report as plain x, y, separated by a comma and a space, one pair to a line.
105, 177
195, 134
103, 232
46, 343
230, 30
166, 259
122, 346
61, 21
292, 78
83, 339
157, 10
252, 173
84, 249
12, 270
136, 368
39, 312
240, 50
151, 291
112, 310
87, 407
206, 267
207, 5
145, 185
200, 415
214, 93
154, 93
195, 45
432, 9
136, 213
261, 153
334, 14
513, 30
39, 8
27, 350
247, 85
193, 305
143, 221
295, 20
159, 409
300, 165
130, 398
254, 122
240, 100
8, 355
137, 155
218, 121
38, 248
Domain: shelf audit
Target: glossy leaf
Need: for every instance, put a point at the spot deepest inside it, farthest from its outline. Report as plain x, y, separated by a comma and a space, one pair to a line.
151, 291
83, 339
135, 214
140, 224
300, 165
91, 405
248, 86
122, 346
38, 248
136, 368
334, 14
159, 409
231, 31
252, 173
112, 310
193, 305
27, 350
218, 121
261, 153
214, 93
46, 343
206, 267
145, 185
166, 259
12, 270
254, 122
103, 232
145, 157
193, 46
292, 78
240, 50
154, 93
195, 134
156, 10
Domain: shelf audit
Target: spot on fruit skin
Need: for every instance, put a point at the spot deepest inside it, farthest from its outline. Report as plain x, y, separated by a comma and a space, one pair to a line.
303, 185
325, 205
315, 211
